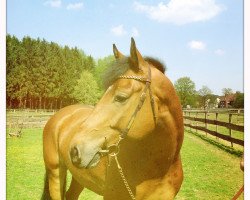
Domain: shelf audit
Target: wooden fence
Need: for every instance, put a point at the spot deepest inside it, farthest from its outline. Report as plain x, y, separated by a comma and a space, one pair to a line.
199, 120
196, 119
17, 120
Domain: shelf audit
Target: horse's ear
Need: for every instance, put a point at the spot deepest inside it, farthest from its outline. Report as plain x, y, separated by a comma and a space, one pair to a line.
135, 56
117, 53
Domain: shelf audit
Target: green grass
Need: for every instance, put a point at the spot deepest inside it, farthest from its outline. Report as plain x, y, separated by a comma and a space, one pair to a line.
210, 173
25, 167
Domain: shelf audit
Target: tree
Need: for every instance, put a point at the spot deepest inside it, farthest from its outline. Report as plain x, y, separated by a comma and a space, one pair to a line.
227, 91
185, 89
239, 100
102, 65
42, 74
13, 49
86, 91
205, 94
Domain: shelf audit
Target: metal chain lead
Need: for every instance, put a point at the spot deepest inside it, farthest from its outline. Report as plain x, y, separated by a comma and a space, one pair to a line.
124, 179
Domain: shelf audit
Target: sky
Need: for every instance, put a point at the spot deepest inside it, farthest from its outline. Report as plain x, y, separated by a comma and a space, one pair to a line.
200, 39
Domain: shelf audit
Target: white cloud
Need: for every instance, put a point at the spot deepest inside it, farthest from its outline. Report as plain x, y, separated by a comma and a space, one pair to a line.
181, 11
75, 6
53, 3
118, 30
135, 32
197, 45
219, 52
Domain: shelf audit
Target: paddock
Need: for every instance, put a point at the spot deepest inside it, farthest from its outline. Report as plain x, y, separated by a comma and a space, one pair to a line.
209, 171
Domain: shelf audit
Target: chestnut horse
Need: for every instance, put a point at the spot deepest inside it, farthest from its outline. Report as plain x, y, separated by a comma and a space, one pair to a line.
128, 146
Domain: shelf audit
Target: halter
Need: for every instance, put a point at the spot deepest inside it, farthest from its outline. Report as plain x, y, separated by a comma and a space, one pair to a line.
113, 150
147, 82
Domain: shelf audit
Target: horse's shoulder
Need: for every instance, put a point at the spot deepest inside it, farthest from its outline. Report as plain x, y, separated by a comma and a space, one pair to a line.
67, 113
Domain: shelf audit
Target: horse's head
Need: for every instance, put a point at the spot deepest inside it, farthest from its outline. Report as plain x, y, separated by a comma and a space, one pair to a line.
135, 103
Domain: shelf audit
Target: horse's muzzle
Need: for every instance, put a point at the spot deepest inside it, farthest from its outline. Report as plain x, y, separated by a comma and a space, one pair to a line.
84, 157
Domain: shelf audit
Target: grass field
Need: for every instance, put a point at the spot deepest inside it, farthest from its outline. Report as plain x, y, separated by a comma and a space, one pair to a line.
210, 173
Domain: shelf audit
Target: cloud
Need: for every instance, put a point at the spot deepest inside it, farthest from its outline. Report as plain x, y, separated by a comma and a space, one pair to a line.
219, 52
181, 12
197, 45
135, 32
75, 6
53, 3
118, 30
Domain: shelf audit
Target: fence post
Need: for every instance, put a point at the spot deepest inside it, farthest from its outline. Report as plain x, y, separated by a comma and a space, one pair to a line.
185, 114
206, 121
237, 118
216, 126
196, 121
230, 130
190, 122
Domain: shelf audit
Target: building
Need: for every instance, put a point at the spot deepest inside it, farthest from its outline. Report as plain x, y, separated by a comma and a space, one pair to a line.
227, 101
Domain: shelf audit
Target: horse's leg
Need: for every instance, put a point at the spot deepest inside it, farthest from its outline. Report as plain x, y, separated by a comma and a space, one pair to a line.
46, 194
57, 183
74, 190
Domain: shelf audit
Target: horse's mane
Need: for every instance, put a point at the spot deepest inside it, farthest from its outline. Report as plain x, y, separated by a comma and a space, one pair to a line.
120, 66
156, 63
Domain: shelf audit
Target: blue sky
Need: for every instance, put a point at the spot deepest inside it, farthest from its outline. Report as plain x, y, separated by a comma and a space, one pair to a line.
201, 39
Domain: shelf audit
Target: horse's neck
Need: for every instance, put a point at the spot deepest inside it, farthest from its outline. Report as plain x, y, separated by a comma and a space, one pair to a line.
140, 158
140, 161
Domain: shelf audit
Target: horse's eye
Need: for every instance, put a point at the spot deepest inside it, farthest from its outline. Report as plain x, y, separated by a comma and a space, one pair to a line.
120, 98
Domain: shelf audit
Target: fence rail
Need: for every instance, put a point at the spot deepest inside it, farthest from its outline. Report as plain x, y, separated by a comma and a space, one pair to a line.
219, 123
217, 110
201, 123
27, 121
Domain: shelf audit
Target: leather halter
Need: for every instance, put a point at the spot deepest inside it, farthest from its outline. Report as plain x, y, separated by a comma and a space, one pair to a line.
113, 149
147, 80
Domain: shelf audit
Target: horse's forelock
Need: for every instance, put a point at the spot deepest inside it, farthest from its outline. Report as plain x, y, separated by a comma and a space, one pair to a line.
116, 68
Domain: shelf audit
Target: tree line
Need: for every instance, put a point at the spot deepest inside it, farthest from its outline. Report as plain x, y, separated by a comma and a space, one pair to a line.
42, 74
204, 97
45, 75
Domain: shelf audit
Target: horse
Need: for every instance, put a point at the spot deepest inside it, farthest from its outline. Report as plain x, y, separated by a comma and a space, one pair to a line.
128, 145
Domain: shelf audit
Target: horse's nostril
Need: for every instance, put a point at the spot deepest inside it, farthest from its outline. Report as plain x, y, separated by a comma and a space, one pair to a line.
75, 155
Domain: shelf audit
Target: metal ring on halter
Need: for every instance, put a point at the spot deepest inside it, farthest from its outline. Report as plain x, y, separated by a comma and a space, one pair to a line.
115, 151
103, 152
112, 150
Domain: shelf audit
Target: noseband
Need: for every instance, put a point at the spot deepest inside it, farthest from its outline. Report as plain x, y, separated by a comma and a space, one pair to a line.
113, 150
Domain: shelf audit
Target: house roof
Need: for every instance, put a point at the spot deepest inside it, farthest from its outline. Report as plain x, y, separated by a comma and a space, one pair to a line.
228, 98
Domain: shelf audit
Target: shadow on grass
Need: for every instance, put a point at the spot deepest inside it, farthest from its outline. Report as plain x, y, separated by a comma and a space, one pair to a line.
228, 149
